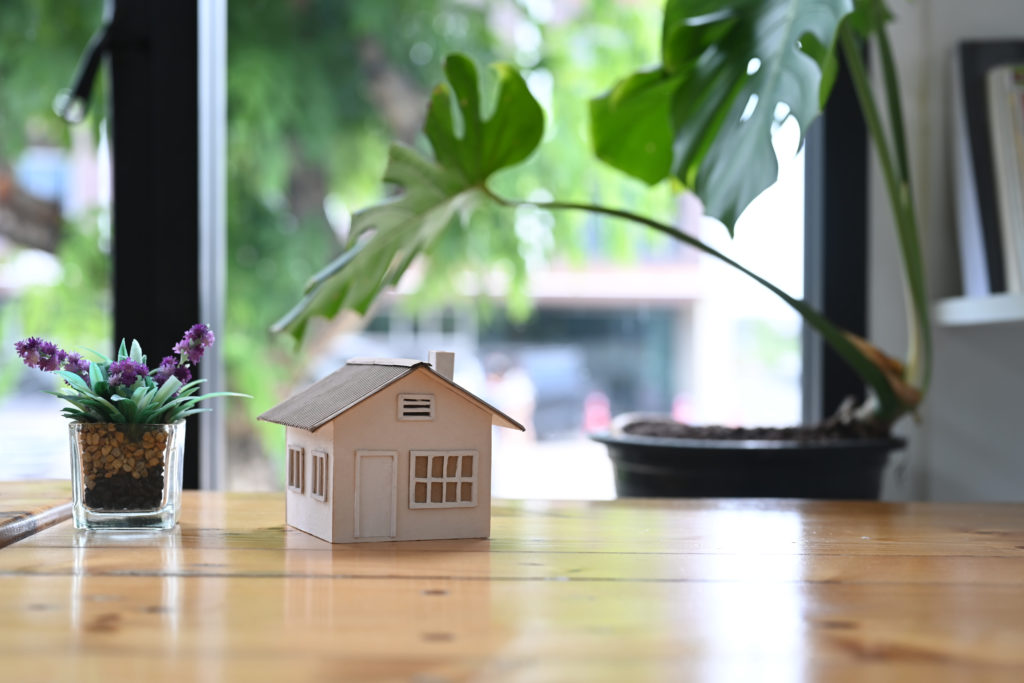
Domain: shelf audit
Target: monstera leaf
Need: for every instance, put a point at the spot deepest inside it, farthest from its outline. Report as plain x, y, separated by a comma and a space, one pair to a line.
729, 69
387, 237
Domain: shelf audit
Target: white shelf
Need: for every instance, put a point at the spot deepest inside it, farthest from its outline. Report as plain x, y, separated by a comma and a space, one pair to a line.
994, 309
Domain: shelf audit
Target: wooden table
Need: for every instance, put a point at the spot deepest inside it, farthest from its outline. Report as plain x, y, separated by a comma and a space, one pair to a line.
618, 591
28, 507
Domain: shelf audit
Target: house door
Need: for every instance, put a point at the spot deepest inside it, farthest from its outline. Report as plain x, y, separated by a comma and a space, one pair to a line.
375, 493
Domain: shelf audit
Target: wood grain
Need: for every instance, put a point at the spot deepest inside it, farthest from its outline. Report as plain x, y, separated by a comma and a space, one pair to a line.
27, 507
611, 591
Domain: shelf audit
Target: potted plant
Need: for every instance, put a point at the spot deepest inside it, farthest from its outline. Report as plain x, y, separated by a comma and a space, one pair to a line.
731, 69
127, 428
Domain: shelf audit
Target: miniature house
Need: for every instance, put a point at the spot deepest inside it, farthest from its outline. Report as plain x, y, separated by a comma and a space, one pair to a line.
389, 449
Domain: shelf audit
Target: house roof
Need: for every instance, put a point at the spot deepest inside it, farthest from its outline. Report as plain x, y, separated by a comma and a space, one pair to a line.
355, 382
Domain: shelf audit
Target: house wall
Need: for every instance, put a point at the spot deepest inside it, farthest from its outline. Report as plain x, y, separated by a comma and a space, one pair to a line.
302, 511
373, 425
967, 444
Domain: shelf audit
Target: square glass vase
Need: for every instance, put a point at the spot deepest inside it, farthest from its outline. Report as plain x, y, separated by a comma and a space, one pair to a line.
126, 476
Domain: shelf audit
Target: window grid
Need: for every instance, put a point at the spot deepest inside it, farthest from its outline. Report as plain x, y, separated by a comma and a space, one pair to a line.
415, 406
442, 479
296, 469
318, 484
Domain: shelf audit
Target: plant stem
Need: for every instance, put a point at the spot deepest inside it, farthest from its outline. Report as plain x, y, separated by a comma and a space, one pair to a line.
890, 406
898, 187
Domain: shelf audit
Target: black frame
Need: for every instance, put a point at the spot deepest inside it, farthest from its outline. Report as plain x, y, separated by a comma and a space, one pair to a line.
836, 236
153, 55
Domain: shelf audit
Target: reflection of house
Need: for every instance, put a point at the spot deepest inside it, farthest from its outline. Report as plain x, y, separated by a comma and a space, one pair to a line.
389, 449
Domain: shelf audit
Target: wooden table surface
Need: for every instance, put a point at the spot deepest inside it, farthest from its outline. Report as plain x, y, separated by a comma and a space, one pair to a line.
27, 507
632, 590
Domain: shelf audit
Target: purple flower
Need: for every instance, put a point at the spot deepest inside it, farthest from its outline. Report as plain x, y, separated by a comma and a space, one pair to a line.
28, 349
78, 365
169, 368
194, 343
125, 372
37, 353
50, 357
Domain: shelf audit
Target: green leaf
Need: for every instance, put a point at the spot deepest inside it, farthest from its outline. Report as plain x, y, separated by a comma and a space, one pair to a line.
827, 56
729, 160
122, 351
730, 67
96, 374
436, 192
136, 352
631, 125
105, 358
167, 390
486, 145
127, 409
182, 415
75, 382
144, 396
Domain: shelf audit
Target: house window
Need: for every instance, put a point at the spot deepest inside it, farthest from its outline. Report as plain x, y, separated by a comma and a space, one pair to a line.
442, 479
415, 406
318, 483
296, 469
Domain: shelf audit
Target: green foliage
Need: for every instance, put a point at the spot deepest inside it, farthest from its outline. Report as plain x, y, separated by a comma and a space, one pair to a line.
731, 70
727, 68
40, 42
145, 401
385, 238
305, 127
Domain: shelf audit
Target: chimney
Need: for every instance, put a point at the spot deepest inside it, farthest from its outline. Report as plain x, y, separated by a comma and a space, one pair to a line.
443, 363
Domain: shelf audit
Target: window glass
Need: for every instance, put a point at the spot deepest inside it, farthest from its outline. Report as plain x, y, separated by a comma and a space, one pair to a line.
55, 269
571, 319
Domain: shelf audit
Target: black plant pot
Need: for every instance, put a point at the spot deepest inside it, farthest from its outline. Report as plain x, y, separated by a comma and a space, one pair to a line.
659, 467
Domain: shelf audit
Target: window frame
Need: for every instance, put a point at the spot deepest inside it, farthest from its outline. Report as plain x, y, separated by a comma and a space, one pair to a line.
296, 469
458, 479
167, 69
835, 244
837, 156
320, 477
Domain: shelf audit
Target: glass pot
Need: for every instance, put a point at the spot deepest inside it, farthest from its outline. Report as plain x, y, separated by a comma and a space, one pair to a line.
126, 476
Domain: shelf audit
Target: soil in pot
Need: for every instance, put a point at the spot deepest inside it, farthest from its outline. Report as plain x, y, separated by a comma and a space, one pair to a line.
829, 430
122, 470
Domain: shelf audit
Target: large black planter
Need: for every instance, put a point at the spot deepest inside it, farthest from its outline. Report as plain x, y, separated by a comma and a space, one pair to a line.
658, 467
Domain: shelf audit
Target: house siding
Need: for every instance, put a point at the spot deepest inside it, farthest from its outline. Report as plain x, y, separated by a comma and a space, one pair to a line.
302, 510
373, 425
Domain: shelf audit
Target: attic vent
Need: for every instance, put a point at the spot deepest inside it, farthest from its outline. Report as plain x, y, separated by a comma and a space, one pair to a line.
415, 406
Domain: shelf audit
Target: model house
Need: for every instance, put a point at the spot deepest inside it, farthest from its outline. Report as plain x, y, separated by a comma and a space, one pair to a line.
389, 449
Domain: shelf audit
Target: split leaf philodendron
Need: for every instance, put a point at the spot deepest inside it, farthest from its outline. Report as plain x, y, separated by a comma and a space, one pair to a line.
731, 70
385, 238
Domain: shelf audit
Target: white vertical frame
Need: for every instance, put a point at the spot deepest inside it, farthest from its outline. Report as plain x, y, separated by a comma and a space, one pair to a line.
212, 42
320, 481
394, 490
296, 469
811, 346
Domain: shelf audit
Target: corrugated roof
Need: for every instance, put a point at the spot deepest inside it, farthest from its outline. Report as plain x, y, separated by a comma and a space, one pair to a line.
323, 401
314, 407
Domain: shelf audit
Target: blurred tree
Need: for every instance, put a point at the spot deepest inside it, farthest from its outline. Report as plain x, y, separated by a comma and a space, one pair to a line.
40, 42
316, 91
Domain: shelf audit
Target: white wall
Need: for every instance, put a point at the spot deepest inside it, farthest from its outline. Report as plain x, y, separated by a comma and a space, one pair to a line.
967, 445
